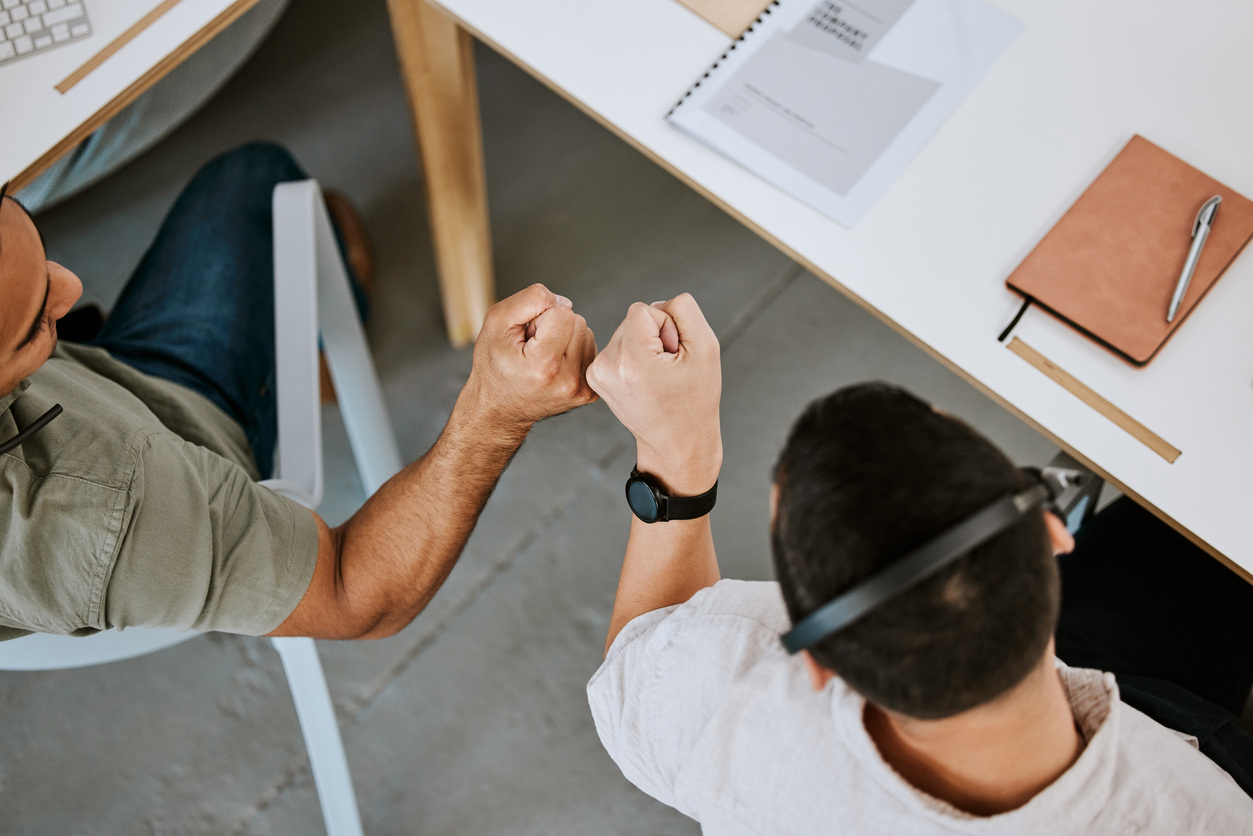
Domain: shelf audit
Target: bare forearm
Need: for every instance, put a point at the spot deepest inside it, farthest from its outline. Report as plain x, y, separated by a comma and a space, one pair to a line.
660, 375
665, 564
398, 549
378, 570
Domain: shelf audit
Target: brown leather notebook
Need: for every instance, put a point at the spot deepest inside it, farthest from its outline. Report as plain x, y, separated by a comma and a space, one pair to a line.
1110, 265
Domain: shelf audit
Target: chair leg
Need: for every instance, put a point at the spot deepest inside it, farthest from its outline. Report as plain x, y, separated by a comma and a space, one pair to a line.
321, 733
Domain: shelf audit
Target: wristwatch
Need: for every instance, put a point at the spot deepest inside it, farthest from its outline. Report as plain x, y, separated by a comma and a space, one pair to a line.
650, 502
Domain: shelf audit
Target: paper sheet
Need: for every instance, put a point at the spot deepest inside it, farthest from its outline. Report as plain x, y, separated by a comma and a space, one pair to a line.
830, 100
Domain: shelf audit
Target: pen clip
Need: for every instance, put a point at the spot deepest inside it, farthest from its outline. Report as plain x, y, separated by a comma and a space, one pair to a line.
1205, 216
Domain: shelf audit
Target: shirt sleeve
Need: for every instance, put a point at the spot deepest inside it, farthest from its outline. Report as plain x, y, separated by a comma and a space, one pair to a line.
669, 671
205, 547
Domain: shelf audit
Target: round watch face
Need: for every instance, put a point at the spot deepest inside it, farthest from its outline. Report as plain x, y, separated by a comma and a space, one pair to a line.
642, 501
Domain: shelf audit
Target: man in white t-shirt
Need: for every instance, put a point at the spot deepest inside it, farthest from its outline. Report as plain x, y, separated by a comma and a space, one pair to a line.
917, 570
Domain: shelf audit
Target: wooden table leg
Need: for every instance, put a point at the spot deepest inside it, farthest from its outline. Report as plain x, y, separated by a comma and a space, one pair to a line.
437, 61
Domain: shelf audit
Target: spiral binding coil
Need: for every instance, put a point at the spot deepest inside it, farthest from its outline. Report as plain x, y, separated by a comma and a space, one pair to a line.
756, 22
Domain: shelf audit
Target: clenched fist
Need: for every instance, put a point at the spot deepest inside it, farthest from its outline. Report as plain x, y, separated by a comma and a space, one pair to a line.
661, 375
530, 360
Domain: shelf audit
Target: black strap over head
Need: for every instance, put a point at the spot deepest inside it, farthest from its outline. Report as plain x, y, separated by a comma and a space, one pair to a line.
916, 566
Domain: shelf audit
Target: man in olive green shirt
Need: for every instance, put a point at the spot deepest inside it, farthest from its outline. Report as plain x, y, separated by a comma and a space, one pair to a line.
138, 505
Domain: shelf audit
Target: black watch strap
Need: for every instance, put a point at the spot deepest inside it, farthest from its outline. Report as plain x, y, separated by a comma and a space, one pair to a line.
672, 507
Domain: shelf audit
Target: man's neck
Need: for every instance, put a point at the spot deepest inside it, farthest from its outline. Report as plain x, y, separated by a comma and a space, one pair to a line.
990, 759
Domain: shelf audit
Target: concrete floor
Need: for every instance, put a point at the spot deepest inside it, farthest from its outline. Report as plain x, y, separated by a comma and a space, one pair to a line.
473, 720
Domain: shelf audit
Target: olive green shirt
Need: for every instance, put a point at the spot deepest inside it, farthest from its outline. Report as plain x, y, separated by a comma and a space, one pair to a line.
138, 505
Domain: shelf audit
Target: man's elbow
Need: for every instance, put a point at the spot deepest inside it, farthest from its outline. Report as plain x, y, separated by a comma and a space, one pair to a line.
380, 625
370, 615
344, 604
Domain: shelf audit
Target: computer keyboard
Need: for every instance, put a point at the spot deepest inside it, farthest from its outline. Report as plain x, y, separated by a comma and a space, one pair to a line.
31, 26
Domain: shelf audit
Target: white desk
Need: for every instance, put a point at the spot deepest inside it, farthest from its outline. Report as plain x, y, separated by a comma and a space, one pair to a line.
932, 256
40, 123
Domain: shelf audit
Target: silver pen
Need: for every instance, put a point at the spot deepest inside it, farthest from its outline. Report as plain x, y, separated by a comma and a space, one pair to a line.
1200, 232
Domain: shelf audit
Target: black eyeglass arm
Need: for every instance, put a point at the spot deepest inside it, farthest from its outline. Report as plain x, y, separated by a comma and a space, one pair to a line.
37, 425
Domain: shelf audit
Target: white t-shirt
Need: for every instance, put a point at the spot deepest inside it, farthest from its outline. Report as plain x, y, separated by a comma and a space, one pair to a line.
701, 707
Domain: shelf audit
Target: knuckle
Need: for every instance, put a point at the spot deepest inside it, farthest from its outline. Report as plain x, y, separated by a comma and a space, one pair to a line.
540, 293
550, 369
628, 374
686, 303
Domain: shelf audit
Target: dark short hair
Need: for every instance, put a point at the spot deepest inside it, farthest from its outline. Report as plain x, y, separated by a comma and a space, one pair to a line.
870, 472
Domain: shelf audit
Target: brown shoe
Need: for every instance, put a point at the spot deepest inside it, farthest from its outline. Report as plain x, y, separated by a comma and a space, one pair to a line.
359, 251
357, 245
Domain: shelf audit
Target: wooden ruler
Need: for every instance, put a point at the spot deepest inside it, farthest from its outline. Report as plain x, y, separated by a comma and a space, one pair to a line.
1068, 381
116, 44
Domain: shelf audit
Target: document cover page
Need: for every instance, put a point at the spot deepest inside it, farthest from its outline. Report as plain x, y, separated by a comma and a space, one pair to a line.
830, 100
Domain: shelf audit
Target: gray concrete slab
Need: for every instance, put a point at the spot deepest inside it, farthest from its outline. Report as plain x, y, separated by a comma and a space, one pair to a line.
473, 720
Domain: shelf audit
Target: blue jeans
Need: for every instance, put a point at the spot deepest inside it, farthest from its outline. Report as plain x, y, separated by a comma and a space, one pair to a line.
1172, 624
199, 308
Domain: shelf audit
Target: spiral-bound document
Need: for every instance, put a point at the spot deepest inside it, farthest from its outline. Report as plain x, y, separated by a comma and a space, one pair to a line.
830, 100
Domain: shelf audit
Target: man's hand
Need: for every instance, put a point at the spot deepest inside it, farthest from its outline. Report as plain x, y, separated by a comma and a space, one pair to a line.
661, 375
379, 569
530, 361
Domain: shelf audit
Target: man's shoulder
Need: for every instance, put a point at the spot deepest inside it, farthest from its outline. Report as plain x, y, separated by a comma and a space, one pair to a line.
756, 603
1140, 776
705, 645
66, 493
715, 659
711, 620
93, 439
1157, 768
71, 494
706, 689
704, 708
124, 406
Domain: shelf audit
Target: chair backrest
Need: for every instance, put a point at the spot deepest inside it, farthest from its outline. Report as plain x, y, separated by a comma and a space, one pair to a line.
311, 290
304, 246
298, 457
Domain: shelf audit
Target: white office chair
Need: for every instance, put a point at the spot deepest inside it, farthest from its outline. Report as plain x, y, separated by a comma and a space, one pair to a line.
311, 294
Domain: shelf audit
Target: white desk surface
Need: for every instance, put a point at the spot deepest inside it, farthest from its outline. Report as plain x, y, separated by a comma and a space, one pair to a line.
36, 118
933, 254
